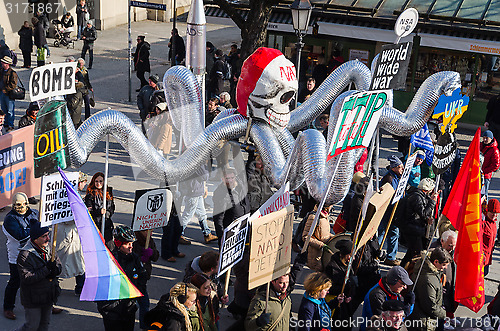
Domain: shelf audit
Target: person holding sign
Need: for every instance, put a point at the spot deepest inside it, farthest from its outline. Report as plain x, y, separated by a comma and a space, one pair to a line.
16, 227
271, 313
319, 238
94, 202
418, 215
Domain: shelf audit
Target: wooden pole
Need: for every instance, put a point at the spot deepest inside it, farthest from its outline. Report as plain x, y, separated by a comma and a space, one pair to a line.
148, 238
226, 283
389, 224
54, 242
267, 297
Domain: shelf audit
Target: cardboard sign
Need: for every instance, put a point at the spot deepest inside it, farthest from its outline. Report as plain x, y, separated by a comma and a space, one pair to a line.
52, 79
51, 142
392, 67
279, 200
233, 244
452, 109
271, 247
444, 152
404, 178
55, 206
16, 165
152, 209
357, 121
379, 203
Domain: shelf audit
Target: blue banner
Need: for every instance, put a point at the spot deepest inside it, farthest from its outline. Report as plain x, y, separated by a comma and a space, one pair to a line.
422, 139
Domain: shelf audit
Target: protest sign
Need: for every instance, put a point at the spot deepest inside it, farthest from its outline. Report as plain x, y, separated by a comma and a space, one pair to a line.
52, 79
271, 247
404, 178
444, 152
279, 200
152, 209
406, 22
233, 244
379, 203
54, 203
452, 109
358, 119
392, 67
16, 165
51, 142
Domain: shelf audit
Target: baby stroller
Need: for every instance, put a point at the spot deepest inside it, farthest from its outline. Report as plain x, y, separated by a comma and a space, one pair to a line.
62, 35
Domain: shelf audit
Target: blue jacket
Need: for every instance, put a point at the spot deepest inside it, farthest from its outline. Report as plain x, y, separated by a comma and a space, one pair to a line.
392, 178
414, 180
17, 230
309, 318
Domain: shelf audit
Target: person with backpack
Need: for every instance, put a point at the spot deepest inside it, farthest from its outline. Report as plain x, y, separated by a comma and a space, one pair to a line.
216, 75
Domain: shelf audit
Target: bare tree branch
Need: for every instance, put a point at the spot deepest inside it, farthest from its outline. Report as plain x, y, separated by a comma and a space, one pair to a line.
232, 12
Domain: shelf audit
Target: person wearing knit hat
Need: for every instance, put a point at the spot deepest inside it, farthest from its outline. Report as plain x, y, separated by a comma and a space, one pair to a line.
491, 163
38, 273
416, 173
8, 79
394, 172
489, 227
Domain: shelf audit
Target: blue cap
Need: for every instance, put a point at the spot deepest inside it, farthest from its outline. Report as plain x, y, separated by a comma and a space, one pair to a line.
488, 134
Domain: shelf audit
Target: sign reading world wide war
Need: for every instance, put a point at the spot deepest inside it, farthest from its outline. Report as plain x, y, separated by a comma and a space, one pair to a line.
51, 143
271, 247
152, 209
392, 67
54, 203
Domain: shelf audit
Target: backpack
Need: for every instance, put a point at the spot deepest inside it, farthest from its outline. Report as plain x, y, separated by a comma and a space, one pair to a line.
226, 70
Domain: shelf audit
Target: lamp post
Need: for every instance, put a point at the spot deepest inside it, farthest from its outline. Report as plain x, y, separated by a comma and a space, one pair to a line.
301, 13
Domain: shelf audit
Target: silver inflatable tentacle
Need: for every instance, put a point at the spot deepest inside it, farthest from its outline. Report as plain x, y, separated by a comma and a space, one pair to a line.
185, 102
145, 155
286, 141
224, 113
422, 105
374, 64
269, 148
350, 72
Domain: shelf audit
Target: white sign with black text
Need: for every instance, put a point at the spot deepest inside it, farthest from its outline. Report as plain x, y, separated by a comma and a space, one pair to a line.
152, 209
52, 80
54, 202
279, 200
233, 244
404, 178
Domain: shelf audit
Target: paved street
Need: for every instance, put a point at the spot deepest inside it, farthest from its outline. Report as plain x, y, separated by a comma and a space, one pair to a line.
109, 78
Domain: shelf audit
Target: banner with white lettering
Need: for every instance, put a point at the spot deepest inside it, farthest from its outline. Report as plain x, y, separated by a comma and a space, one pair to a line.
279, 200
54, 202
392, 67
51, 80
444, 152
404, 178
152, 209
233, 244
271, 247
358, 119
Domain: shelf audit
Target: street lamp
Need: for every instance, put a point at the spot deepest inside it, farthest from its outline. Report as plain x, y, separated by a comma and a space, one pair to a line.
301, 13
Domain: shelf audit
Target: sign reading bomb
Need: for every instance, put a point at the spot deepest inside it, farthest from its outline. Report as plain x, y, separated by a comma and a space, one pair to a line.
271, 247
52, 80
55, 206
152, 209
392, 67
444, 152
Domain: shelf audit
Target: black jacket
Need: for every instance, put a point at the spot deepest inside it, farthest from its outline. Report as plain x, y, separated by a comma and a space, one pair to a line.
147, 99
165, 314
216, 81
80, 14
180, 48
232, 204
67, 23
418, 209
39, 35
90, 35
141, 57
95, 203
25, 39
37, 289
26, 120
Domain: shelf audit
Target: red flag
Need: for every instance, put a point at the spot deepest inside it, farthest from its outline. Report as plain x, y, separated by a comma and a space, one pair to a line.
463, 209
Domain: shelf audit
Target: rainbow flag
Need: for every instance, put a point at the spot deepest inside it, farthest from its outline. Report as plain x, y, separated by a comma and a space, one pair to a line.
104, 278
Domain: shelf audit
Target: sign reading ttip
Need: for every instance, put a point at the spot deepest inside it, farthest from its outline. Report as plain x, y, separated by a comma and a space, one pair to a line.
51, 143
357, 120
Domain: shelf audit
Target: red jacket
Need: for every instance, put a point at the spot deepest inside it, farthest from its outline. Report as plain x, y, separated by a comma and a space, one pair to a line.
491, 158
489, 235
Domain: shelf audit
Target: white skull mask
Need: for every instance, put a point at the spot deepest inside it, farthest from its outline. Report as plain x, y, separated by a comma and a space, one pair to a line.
20, 203
272, 94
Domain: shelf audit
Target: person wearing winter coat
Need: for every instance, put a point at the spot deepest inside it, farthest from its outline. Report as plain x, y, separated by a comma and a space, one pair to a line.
8, 82
38, 33
141, 60
320, 237
26, 43
30, 117
175, 310
491, 163
89, 36
356, 203
94, 202
207, 302
216, 75
120, 314
16, 227
419, 208
149, 96
81, 12
416, 172
39, 284
489, 227
429, 291
391, 318
176, 48
277, 316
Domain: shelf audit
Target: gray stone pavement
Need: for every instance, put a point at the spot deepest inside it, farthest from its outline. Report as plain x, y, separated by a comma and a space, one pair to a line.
109, 78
